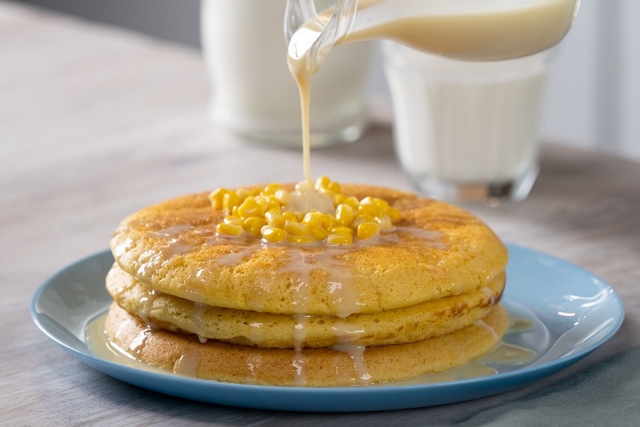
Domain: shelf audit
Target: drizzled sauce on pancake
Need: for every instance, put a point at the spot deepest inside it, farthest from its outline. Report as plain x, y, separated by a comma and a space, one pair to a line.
170, 242
187, 364
197, 311
503, 354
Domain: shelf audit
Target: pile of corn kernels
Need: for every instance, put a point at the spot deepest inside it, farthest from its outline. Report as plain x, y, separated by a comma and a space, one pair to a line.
264, 213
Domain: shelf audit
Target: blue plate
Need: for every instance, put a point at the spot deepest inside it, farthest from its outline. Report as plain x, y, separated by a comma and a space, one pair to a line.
573, 313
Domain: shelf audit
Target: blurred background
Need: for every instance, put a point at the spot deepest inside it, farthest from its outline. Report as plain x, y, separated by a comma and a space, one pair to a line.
593, 98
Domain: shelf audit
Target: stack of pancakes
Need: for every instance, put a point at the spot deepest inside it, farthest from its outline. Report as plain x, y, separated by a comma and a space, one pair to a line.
422, 298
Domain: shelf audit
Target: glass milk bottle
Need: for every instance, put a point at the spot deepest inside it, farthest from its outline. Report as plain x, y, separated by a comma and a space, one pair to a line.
253, 93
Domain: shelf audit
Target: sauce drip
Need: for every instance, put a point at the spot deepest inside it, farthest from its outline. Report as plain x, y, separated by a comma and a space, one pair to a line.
197, 314
187, 364
170, 243
339, 278
299, 361
356, 354
138, 343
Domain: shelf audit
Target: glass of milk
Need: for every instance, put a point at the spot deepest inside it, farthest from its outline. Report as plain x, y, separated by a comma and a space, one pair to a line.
253, 92
467, 131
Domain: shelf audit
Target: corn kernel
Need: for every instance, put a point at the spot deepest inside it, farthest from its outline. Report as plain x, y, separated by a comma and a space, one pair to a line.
369, 209
250, 207
344, 215
242, 193
329, 221
274, 218
271, 189
322, 182
380, 202
367, 230
272, 203
339, 239
367, 201
262, 202
290, 216
231, 220
253, 225
283, 196
229, 200
363, 218
273, 234
296, 229
393, 214
313, 219
342, 230
319, 233
215, 197
255, 192
218, 193
334, 187
215, 204
300, 239
339, 199
229, 229
352, 201
385, 222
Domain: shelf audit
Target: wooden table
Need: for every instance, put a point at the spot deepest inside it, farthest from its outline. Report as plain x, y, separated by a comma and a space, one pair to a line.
96, 123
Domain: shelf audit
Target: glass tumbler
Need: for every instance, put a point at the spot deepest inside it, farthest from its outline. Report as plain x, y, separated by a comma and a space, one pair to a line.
467, 131
253, 93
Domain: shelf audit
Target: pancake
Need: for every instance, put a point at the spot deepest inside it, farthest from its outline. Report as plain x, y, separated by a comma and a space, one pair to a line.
435, 251
246, 327
220, 361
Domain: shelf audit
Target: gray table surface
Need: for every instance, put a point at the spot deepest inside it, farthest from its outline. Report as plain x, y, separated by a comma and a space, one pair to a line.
96, 123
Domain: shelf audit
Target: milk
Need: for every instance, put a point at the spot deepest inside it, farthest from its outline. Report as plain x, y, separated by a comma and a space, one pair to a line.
477, 30
465, 122
252, 91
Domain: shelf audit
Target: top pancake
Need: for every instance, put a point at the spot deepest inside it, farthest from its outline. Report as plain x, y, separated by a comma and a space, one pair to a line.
437, 250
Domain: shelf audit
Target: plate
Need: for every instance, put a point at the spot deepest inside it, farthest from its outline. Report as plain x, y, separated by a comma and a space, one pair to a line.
573, 313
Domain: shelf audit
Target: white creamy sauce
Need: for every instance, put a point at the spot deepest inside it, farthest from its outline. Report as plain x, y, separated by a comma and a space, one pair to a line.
232, 259
305, 198
140, 341
187, 364
356, 353
197, 315
483, 325
302, 263
147, 304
